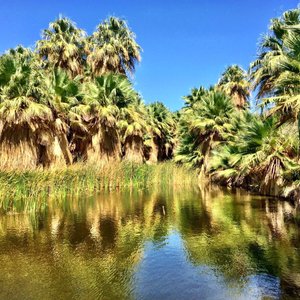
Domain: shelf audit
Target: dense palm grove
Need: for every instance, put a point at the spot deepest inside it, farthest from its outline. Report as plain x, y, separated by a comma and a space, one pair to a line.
235, 146
70, 99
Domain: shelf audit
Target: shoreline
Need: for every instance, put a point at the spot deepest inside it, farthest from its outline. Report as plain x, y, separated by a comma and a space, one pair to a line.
20, 185
293, 195
36, 185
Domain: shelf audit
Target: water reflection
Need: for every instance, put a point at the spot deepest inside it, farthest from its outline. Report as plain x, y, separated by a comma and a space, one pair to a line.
171, 244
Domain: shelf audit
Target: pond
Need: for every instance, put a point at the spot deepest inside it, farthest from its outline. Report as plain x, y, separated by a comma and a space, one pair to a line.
203, 243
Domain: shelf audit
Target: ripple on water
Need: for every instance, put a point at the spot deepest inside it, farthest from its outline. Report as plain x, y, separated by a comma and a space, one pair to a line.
170, 244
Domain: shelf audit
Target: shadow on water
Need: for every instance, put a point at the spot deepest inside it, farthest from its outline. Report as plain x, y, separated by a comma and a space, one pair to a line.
206, 243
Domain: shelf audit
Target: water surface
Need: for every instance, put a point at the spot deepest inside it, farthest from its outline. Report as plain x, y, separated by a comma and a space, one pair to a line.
170, 244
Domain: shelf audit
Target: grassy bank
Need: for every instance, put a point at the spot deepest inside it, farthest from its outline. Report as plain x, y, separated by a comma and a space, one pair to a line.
83, 179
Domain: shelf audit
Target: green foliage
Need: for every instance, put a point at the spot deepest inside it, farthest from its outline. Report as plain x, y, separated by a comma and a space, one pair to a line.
23, 93
236, 147
38, 185
163, 129
112, 48
104, 97
275, 73
62, 46
235, 83
75, 88
258, 154
203, 124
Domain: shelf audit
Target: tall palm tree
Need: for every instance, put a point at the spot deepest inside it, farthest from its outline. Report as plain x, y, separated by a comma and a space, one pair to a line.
194, 96
203, 126
276, 73
99, 111
63, 94
11, 60
257, 156
29, 129
234, 83
162, 138
134, 126
264, 70
113, 48
62, 46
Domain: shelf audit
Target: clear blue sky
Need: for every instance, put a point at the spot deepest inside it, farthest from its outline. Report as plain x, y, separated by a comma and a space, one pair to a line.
185, 43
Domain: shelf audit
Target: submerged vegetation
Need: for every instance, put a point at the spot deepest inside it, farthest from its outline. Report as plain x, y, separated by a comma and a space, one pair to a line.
69, 113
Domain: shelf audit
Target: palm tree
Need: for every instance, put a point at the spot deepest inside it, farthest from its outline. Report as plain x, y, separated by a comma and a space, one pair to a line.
10, 61
285, 93
234, 83
64, 93
194, 96
276, 74
98, 113
62, 46
161, 141
264, 70
29, 130
134, 126
257, 156
113, 48
203, 126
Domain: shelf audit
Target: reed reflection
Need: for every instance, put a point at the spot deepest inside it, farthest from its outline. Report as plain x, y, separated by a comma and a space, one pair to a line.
97, 246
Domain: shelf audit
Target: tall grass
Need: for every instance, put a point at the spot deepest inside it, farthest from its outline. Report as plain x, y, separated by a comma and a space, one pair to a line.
18, 188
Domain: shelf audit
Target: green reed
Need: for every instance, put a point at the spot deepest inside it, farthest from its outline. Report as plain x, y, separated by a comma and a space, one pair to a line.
19, 189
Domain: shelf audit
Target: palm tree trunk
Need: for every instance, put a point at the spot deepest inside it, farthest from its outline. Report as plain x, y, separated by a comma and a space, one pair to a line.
105, 146
110, 144
52, 150
64, 145
298, 117
134, 149
153, 154
272, 180
206, 151
18, 148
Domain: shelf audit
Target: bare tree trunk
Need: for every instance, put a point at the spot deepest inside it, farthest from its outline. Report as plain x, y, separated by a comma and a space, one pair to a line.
93, 149
23, 148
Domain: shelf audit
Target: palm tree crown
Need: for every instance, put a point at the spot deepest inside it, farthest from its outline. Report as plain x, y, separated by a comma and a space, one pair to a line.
234, 82
62, 46
203, 126
113, 48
